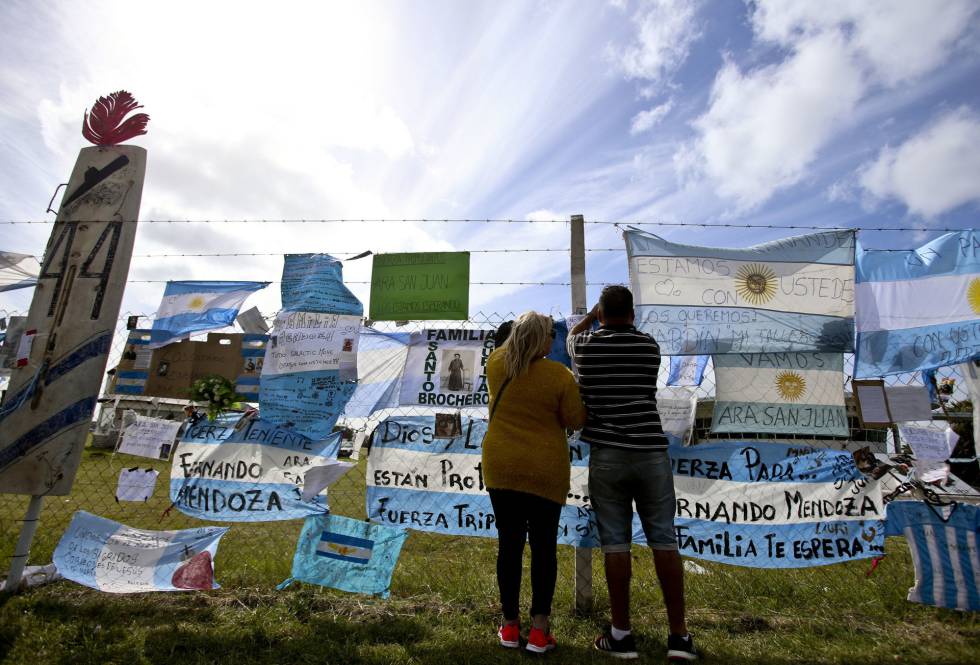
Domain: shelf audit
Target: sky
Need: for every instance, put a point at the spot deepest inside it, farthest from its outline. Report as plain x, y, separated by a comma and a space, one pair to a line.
788, 112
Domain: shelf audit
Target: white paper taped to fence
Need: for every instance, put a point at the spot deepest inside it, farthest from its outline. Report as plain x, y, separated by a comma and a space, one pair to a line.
785, 393
110, 556
677, 407
150, 437
447, 368
136, 484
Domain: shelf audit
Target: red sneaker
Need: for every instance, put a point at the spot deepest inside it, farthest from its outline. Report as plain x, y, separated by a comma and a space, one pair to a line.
538, 642
510, 635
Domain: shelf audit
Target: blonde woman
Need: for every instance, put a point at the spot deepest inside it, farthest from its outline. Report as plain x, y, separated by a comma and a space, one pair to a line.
526, 469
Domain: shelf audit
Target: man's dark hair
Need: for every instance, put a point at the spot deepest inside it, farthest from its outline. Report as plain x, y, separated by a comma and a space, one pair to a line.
616, 302
503, 332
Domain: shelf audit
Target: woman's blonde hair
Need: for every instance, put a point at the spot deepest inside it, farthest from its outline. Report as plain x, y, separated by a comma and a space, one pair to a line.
527, 337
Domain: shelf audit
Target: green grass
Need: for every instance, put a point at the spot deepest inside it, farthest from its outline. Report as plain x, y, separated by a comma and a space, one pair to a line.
443, 607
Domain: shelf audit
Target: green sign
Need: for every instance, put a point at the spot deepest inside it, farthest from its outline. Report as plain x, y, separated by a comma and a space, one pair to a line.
426, 285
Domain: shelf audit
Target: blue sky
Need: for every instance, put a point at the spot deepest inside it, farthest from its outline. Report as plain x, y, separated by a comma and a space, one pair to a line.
777, 112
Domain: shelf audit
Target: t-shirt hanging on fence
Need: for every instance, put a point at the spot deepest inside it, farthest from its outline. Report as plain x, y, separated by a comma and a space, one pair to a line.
784, 393
310, 369
246, 470
110, 556
795, 294
347, 554
943, 541
417, 481
136, 484
447, 368
918, 309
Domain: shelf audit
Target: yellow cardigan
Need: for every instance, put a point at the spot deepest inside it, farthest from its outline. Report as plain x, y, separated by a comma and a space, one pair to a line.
525, 448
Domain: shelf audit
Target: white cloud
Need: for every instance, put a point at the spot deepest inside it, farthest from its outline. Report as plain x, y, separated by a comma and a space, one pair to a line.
934, 171
665, 31
646, 120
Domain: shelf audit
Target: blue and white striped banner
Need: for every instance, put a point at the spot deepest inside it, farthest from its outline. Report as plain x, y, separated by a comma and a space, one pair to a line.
795, 294
918, 309
190, 307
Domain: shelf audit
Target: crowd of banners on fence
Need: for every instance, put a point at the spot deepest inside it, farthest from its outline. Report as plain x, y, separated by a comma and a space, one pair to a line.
773, 506
150, 437
918, 309
420, 286
794, 294
446, 367
943, 541
310, 369
781, 393
136, 484
190, 307
245, 469
417, 481
346, 554
686, 370
109, 556
18, 271
677, 407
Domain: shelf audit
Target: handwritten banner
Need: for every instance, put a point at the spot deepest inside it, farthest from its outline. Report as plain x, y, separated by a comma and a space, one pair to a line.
246, 470
420, 286
150, 437
447, 368
112, 557
795, 294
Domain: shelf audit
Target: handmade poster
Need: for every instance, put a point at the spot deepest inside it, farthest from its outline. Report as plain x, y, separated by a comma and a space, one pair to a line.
420, 286
238, 469
931, 448
677, 407
310, 369
686, 370
447, 368
773, 506
918, 309
347, 554
943, 540
150, 437
908, 403
795, 294
417, 481
783, 393
191, 307
136, 484
112, 557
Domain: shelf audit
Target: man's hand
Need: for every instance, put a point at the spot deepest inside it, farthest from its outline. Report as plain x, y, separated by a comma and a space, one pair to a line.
586, 323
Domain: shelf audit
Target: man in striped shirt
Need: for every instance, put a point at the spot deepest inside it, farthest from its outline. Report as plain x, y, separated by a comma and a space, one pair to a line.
617, 368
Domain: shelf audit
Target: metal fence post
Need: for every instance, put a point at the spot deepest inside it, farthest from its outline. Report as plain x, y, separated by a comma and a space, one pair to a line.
583, 555
23, 547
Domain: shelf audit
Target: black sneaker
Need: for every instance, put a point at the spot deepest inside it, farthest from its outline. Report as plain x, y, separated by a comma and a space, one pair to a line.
681, 649
624, 648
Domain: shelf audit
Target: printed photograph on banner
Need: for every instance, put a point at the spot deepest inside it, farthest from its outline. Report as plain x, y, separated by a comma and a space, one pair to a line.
447, 368
457, 371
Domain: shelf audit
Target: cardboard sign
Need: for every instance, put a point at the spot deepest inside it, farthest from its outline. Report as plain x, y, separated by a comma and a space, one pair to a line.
421, 286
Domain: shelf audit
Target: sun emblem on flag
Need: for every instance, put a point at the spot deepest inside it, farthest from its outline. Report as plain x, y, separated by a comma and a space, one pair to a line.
790, 386
196, 303
756, 283
973, 295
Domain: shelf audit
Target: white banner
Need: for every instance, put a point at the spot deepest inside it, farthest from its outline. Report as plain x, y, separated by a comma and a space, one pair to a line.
447, 368
311, 342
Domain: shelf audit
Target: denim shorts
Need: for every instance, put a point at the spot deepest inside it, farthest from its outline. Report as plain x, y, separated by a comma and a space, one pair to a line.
618, 478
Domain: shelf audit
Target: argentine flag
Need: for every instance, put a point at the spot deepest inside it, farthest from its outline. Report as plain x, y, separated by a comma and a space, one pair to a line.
191, 307
918, 309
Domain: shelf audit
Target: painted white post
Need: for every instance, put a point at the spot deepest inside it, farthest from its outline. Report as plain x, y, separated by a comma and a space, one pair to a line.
23, 548
583, 555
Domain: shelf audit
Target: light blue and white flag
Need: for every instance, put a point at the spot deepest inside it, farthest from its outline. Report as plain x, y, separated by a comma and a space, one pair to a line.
769, 505
347, 554
193, 307
918, 309
795, 294
18, 271
686, 370
310, 368
109, 556
381, 360
783, 393
238, 469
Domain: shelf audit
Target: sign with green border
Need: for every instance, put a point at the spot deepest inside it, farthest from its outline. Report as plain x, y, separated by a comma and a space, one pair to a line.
420, 286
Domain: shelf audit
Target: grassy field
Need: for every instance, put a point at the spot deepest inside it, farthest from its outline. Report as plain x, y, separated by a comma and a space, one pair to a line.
443, 606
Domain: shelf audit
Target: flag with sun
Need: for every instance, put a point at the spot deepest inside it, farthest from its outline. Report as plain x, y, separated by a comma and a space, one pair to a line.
780, 393
190, 307
918, 309
795, 294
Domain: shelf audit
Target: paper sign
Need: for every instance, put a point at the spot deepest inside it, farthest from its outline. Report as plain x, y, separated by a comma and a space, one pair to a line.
136, 484
110, 556
312, 342
676, 408
150, 437
908, 403
872, 403
252, 322
24, 347
427, 286
926, 443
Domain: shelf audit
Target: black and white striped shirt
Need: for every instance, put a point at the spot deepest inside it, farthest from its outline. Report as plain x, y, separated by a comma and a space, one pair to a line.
617, 371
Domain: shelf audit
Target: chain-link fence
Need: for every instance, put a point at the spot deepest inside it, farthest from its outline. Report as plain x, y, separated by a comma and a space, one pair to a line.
260, 554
